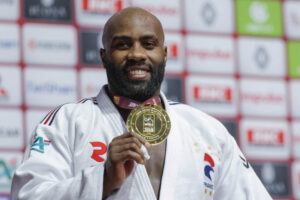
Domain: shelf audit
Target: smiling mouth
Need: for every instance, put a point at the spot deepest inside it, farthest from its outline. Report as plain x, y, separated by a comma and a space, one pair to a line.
138, 73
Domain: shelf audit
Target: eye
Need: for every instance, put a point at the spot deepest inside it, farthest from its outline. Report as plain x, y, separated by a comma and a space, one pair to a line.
122, 45
149, 44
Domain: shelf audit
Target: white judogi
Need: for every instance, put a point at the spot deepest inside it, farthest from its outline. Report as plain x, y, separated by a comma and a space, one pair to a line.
66, 158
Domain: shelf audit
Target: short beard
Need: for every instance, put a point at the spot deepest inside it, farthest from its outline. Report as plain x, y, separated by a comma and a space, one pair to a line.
138, 90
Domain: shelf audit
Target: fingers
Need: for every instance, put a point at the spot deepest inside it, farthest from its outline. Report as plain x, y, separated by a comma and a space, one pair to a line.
126, 147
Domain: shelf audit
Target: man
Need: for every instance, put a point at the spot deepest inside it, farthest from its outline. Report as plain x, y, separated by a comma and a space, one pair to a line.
85, 151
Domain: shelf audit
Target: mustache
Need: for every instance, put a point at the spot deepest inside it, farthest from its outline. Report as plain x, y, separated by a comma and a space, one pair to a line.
132, 63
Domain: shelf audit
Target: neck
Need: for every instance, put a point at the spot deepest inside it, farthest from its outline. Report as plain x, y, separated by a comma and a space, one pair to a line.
125, 105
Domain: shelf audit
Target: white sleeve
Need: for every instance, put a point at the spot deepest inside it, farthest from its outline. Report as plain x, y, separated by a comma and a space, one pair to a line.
237, 180
47, 171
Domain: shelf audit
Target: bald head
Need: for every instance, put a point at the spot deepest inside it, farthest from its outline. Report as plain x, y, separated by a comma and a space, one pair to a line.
128, 18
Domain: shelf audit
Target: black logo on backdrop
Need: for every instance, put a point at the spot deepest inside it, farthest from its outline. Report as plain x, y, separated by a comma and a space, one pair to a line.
48, 10
231, 127
275, 178
172, 87
261, 57
208, 13
90, 45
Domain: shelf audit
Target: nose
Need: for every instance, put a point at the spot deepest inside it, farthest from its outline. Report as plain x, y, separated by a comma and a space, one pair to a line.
137, 53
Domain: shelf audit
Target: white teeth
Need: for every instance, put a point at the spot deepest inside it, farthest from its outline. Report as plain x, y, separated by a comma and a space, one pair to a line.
137, 72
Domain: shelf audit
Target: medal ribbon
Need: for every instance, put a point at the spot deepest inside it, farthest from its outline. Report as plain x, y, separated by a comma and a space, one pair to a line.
124, 102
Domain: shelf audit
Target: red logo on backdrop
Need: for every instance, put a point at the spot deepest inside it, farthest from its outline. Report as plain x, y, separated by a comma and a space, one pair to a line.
213, 94
205, 54
102, 6
264, 136
172, 50
100, 149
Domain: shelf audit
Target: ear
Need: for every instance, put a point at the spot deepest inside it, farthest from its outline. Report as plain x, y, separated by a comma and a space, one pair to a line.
103, 56
165, 53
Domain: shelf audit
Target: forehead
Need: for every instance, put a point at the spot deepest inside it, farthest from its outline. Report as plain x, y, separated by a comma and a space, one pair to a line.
135, 27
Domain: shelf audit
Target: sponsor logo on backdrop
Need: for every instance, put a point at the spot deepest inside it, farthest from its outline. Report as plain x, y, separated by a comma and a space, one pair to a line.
210, 54
174, 43
102, 6
275, 178
209, 16
205, 54
8, 165
262, 98
262, 18
48, 10
91, 42
50, 44
159, 9
6, 44
208, 13
9, 43
213, 93
168, 12
11, 129
7, 132
261, 57
35, 45
50, 88
172, 50
265, 137
259, 12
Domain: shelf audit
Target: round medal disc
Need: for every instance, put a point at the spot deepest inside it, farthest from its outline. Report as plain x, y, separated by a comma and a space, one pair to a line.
151, 122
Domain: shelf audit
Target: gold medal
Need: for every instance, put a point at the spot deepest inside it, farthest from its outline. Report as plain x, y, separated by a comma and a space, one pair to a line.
151, 122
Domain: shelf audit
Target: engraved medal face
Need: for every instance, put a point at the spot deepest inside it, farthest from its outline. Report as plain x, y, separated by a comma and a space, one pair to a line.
151, 122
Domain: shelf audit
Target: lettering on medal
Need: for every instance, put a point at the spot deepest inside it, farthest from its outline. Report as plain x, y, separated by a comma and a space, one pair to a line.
148, 123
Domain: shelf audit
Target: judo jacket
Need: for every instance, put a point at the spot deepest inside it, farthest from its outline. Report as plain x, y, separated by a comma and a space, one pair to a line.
68, 150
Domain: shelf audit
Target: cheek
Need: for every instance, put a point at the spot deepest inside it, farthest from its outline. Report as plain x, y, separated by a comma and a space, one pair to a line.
118, 58
156, 56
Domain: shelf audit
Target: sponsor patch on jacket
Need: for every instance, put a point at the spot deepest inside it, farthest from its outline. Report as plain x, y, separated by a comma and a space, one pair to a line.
39, 144
99, 149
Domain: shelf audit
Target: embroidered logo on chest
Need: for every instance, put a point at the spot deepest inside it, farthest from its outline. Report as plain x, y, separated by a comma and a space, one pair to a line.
210, 158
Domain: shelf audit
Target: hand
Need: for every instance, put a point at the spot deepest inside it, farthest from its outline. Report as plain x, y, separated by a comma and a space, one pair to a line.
122, 152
